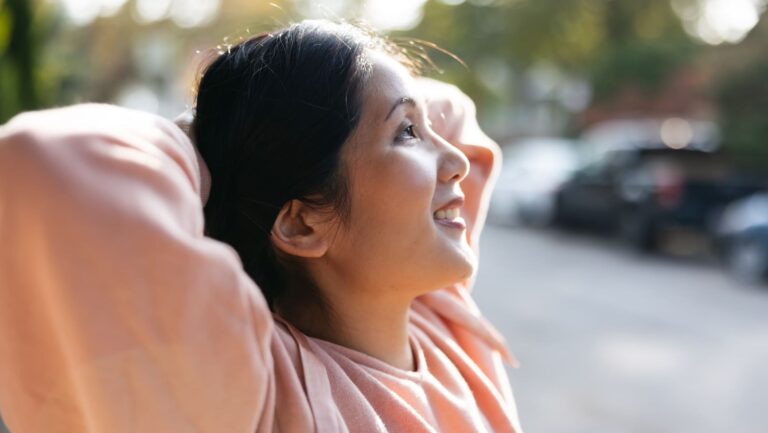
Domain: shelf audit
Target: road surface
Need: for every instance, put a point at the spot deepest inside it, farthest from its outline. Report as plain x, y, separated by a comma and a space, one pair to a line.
613, 342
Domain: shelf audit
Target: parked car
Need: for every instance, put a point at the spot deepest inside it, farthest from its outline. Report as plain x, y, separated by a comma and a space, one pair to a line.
641, 192
532, 171
742, 238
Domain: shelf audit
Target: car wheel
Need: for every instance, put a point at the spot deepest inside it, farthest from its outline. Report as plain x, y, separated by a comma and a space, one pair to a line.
747, 261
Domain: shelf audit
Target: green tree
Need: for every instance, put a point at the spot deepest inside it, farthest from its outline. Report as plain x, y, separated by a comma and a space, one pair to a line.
741, 93
613, 43
18, 54
742, 98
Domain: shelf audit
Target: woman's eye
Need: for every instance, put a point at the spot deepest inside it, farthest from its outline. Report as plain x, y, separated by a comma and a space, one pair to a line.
406, 133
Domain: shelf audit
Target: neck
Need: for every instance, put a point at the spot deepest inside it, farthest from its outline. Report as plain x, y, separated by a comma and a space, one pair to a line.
376, 327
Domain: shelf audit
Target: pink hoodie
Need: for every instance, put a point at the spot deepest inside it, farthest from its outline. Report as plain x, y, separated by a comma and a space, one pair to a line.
118, 315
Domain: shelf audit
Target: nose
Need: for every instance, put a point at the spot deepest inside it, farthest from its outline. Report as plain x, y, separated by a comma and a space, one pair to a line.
453, 165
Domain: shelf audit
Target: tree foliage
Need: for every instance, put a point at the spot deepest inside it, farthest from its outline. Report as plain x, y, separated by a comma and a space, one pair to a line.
742, 97
613, 43
17, 58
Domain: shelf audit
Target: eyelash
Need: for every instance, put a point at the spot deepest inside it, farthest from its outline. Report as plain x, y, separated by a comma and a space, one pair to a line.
407, 133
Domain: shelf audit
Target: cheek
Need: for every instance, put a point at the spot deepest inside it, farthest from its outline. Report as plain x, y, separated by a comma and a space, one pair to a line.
392, 201
402, 191
392, 235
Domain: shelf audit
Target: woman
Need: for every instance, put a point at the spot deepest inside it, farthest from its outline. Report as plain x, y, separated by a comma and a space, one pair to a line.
352, 194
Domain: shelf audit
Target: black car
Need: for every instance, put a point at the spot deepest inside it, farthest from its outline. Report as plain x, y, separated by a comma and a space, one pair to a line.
742, 238
640, 192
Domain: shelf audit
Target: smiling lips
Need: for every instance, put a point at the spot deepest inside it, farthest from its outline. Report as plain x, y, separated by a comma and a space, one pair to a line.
450, 215
447, 214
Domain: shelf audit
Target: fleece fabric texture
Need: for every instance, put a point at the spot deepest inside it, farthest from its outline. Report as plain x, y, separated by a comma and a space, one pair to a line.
118, 315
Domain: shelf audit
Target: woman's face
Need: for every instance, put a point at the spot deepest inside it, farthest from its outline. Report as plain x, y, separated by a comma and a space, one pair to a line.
404, 234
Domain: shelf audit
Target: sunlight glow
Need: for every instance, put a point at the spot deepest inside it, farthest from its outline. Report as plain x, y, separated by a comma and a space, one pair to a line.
394, 14
719, 21
382, 15
194, 13
329, 9
82, 12
676, 133
152, 10
184, 13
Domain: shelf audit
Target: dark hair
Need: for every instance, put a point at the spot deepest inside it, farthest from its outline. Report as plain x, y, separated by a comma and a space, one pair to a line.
272, 114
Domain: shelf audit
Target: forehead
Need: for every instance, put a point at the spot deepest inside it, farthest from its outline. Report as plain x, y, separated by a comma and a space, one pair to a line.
389, 81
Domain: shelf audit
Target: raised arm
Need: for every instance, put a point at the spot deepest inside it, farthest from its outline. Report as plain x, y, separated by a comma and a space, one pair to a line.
453, 117
116, 313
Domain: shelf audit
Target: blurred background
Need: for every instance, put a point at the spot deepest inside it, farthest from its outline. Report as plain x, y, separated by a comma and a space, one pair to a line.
627, 251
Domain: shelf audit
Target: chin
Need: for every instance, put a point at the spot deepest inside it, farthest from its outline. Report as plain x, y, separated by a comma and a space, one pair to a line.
462, 265
469, 265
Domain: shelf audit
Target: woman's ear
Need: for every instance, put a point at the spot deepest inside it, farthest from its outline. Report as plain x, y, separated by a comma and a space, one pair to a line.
300, 230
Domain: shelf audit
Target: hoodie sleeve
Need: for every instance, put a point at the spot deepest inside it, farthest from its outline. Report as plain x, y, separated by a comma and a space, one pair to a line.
453, 116
116, 313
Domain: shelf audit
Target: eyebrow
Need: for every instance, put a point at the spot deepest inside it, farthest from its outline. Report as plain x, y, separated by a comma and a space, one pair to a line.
399, 102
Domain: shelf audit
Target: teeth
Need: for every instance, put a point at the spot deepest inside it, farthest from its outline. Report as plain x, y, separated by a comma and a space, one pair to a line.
448, 214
